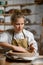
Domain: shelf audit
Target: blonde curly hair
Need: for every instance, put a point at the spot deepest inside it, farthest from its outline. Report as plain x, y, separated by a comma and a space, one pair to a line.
15, 16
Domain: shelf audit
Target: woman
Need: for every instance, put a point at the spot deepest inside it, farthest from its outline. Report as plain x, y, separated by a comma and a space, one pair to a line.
19, 39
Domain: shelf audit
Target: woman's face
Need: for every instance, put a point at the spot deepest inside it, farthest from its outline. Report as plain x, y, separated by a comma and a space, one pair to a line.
19, 25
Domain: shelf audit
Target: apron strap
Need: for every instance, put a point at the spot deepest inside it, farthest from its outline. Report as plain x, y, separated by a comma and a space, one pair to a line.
24, 34
14, 39
13, 35
25, 37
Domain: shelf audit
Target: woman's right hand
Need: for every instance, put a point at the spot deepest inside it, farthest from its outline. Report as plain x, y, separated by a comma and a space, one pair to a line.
19, 49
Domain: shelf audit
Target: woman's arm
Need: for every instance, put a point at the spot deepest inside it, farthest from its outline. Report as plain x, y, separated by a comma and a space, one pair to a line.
4, 44
33, 46
12, 47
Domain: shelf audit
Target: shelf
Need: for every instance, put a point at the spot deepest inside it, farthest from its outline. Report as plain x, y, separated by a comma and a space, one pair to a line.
1, 31
5, 23
20, 4
34, 24
5, 14
1, 23
26, 14
25, 24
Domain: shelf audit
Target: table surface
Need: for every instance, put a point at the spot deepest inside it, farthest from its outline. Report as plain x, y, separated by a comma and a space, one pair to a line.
19, 63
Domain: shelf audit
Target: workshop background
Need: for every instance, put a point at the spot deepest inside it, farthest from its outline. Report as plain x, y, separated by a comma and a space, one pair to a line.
33, 11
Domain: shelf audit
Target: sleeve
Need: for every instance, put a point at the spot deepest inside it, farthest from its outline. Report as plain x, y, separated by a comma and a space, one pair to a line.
5, 37
10, 38
31, 40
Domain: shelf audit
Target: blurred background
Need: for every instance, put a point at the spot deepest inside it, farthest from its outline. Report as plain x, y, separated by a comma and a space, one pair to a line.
33, 11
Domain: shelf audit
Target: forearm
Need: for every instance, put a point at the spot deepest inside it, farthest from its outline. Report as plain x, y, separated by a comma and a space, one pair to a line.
12, 47
33, 46
7, 45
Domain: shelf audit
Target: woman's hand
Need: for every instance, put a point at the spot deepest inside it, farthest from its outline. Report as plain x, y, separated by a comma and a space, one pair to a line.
31, 48
19, 49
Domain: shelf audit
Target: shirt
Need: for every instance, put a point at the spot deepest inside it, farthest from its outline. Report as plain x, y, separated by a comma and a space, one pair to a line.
6, 37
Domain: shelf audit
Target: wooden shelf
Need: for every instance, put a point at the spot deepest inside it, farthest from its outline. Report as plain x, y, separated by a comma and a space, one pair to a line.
25, 24
5, 23
22, 5
5, 14
26, 14
1, 23
19, 4
33, 24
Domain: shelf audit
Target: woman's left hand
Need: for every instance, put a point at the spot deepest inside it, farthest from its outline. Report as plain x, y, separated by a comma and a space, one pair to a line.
31, 48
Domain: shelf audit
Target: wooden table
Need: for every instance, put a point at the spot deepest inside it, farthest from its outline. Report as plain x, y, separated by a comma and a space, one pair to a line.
21, 63
18, 63
15, 63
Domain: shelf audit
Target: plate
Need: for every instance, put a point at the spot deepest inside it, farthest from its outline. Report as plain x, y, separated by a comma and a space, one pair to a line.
21, 56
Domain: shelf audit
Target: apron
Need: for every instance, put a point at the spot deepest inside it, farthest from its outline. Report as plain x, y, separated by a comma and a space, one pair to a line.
20, 42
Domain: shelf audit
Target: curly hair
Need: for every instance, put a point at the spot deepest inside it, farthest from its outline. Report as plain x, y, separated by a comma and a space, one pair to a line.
15, 16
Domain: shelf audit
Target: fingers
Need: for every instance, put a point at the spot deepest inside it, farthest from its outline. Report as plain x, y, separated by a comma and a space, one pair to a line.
31, 48
19, 49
